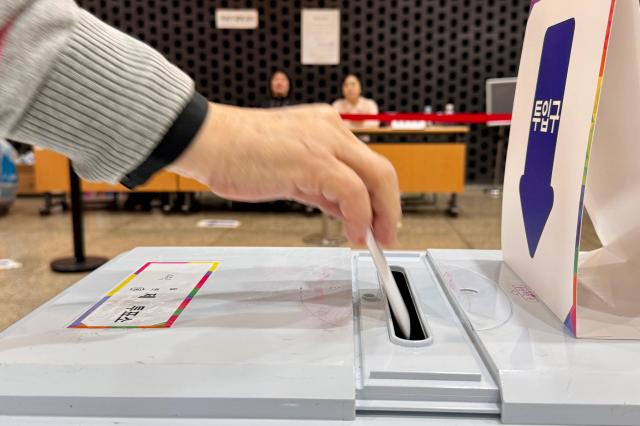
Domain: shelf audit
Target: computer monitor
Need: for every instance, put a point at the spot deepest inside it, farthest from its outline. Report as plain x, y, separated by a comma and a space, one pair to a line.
500, 93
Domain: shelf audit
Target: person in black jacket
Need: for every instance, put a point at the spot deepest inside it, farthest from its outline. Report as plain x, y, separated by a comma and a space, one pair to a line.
279, 91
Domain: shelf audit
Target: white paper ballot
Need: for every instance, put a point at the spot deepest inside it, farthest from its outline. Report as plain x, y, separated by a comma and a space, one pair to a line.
389, 285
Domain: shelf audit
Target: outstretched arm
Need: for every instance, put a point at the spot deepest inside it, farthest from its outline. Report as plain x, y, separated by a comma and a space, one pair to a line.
120, 111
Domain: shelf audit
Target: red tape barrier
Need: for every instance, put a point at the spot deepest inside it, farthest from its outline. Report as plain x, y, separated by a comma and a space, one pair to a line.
467, 118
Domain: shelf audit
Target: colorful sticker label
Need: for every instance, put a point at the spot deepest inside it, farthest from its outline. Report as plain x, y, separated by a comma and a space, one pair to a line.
152, 297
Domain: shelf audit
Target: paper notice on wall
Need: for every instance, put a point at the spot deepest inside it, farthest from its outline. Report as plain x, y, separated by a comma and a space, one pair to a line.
320, 37
152, 297
236, 19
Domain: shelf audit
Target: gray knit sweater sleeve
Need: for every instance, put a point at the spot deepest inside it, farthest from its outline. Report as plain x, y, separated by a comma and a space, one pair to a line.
73, 84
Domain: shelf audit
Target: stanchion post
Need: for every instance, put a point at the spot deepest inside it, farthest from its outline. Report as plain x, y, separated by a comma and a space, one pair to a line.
79, 262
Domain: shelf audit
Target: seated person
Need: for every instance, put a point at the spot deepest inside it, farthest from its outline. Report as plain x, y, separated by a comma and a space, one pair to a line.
279, 91
354, 103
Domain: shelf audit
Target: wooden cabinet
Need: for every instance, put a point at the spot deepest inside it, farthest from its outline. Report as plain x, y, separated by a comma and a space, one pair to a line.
421, 167
426, 167
190, 185
52, 175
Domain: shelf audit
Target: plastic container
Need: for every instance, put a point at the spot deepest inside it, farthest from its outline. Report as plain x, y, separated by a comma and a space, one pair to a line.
8, 176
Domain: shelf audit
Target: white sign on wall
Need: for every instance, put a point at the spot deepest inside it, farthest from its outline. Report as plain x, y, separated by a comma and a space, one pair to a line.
574, 143
237, 19
320, 37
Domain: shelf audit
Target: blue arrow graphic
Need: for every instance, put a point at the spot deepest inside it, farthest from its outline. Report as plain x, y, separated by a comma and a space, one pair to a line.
536, 193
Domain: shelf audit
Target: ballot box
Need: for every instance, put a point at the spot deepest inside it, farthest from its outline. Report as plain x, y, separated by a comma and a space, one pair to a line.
306, 334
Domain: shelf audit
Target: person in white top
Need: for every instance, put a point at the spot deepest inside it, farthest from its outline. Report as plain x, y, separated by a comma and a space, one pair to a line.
354, 103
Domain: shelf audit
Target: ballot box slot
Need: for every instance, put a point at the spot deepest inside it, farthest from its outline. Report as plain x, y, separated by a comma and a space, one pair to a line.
440, 371
420, 333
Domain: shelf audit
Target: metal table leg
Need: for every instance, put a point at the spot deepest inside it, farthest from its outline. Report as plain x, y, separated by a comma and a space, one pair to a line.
498, 170
452, 210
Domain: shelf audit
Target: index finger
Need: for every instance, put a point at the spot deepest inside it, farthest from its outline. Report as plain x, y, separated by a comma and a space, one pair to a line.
330, 182
381, 180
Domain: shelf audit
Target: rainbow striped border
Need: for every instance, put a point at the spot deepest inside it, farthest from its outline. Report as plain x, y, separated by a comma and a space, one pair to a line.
570, 321
78, 322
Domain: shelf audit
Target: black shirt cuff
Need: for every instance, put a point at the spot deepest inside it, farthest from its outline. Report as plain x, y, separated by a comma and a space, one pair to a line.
174, 142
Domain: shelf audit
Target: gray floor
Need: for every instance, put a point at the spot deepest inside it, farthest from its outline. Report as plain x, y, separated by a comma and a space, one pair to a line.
34, 240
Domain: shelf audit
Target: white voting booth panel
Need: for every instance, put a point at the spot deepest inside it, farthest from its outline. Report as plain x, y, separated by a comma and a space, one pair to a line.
574, 143
304, 334
609, 294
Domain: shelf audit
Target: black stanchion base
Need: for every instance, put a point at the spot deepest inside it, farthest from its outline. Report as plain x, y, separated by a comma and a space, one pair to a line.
71, 264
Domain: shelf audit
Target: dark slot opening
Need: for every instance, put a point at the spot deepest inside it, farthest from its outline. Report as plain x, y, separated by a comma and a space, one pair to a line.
417, 330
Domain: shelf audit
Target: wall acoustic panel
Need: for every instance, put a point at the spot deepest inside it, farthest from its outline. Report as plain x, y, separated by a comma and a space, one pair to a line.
407, 53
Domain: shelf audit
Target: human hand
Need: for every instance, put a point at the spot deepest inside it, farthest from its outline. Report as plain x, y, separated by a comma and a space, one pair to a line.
303, 153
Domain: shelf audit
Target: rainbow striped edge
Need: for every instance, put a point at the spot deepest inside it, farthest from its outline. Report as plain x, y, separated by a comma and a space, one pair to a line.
571, 321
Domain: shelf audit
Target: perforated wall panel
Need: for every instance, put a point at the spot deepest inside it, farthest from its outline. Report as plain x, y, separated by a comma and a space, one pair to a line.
407, 53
